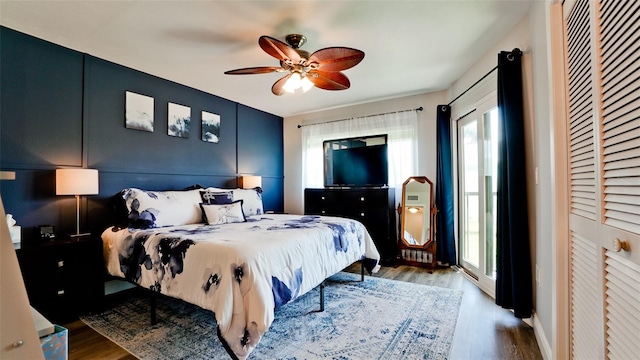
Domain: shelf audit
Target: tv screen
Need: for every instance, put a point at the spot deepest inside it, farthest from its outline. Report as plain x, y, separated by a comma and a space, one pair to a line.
356, 162
360, 166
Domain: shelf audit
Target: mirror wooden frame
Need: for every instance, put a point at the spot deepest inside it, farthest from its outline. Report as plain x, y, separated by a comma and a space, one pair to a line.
418, 255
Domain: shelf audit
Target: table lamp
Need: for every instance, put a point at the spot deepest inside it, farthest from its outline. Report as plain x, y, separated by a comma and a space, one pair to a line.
77, 182
250, 181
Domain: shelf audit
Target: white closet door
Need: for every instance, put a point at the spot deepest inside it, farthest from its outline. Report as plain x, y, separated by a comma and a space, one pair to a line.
603, 77
581, 115
586, 296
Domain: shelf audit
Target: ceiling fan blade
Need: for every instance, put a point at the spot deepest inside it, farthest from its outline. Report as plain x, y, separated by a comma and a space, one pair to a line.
329, 80
336, 58
278, 49
254, 70
278, 86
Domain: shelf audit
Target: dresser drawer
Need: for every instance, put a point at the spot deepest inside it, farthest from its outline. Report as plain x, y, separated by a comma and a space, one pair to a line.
321, 202
367, 198
374, 208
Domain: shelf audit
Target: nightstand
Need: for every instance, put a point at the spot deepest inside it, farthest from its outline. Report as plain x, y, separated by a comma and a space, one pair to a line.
64, 278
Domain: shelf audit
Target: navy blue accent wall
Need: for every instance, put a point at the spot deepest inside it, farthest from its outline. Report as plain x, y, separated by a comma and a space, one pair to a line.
256, 137
41, 108
113, 147
63, 108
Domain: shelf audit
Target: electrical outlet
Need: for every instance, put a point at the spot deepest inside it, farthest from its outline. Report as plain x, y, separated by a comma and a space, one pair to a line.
538, 276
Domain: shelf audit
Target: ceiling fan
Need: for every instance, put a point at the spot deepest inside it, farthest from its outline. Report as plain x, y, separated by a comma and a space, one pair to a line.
321, 69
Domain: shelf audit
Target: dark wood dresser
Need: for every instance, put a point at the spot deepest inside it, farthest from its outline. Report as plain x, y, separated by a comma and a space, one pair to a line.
374, 207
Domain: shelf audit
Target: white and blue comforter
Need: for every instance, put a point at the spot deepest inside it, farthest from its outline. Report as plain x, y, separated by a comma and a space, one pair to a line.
240, 271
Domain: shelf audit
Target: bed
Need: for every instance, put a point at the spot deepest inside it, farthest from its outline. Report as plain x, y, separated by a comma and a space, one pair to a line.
202, 247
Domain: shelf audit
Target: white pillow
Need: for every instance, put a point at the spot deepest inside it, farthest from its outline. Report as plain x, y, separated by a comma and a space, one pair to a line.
217, 214
150, 209
252, 199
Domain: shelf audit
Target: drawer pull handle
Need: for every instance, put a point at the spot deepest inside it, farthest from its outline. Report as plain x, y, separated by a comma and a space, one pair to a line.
61, 263
60, 292
619, 245
362, 198
322, 198
362, 214
18, 344
323, 211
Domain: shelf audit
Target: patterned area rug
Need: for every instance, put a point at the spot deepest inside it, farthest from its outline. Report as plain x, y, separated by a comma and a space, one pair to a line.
374, 319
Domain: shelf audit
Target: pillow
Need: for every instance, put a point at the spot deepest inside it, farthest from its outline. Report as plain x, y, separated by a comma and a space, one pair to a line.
215, 214
214, 197
150, 209
252, 200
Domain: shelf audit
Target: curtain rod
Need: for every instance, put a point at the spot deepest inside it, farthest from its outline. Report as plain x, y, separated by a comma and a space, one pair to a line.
332, 121
471, 87
462, 116
513, 53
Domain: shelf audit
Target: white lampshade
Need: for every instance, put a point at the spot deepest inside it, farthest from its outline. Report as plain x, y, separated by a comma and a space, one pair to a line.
76, 182
250, 181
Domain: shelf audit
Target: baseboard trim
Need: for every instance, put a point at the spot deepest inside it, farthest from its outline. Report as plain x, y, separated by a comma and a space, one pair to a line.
541, 338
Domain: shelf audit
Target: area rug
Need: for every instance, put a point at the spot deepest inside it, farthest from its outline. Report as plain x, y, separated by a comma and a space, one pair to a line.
374, 319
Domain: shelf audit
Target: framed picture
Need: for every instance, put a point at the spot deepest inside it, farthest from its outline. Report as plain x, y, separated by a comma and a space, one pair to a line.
179, 120
210, 127
138, 112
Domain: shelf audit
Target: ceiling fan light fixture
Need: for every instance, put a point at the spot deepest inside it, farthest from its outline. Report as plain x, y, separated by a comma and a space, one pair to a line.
294, 82
322, 69
306, 84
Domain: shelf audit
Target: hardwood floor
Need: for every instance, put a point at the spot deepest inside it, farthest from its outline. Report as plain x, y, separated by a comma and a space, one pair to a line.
483, 331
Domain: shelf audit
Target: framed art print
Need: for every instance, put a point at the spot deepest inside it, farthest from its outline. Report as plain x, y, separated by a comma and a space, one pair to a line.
210, 127
179, 120
138, 112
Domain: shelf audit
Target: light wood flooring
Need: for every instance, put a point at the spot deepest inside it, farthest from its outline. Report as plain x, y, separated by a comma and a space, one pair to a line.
484, 330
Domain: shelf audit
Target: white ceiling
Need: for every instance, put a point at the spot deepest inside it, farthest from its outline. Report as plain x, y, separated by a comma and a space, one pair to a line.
411, 47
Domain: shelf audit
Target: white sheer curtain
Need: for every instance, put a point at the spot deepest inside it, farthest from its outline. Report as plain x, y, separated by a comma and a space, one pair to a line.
402, 138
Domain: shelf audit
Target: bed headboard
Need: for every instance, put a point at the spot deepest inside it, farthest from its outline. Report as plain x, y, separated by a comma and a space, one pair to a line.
108, 209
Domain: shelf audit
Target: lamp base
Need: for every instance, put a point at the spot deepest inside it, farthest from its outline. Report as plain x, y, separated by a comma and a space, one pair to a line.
79, 235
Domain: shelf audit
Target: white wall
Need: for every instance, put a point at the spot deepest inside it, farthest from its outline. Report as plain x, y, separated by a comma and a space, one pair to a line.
545, 254
294, 193
530, 35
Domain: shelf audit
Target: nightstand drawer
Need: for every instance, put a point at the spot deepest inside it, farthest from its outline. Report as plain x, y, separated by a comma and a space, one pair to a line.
63, 278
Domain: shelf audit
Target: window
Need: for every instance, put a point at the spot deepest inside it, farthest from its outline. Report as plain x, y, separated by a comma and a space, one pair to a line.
477, 191
402, 139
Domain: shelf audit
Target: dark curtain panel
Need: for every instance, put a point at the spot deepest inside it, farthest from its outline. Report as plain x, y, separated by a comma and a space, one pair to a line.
513, 278
445, 238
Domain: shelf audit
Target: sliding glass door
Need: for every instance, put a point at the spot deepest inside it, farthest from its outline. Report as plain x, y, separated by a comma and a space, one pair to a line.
477, 184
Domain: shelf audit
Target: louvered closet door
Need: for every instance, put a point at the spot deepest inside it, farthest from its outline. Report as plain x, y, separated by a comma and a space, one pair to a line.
603, 73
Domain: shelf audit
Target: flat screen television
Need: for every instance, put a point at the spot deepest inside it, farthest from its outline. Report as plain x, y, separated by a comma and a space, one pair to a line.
356, 162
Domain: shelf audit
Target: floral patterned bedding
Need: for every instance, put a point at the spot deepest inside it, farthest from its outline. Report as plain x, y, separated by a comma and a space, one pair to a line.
240, 271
